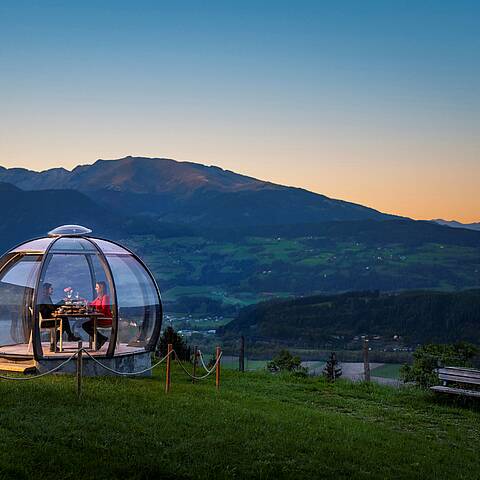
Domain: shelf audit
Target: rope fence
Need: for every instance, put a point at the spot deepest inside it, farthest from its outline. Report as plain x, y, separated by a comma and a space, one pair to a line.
125, 374
209, 372
34, 377
200, 355
168, 358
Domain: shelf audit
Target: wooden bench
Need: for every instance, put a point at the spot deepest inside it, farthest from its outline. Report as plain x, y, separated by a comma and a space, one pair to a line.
463, 376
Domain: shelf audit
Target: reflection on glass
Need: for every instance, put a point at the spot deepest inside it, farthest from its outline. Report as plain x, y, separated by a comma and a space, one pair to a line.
39, 245
137, 299
17, 284
75, 244
110, 248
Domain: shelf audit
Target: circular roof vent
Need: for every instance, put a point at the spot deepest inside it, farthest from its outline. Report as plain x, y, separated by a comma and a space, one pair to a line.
69, 230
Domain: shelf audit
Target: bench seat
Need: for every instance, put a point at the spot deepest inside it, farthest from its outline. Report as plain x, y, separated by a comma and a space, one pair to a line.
458, 375
456, 391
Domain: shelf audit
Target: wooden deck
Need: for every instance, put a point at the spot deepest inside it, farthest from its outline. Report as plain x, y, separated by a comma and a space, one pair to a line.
21, 350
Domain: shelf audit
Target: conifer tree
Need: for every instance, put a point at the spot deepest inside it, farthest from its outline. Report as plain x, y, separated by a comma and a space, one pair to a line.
169, 335
332, 369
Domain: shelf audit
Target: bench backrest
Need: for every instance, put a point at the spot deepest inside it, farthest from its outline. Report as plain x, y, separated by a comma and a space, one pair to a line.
459, 375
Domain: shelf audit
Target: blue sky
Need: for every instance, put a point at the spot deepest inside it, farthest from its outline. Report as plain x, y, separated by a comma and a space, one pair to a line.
376, 102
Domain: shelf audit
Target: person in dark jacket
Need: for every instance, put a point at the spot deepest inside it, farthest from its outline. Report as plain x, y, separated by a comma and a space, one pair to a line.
46, 307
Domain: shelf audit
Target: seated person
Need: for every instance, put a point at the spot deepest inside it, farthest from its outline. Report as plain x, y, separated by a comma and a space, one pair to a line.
46, 307
101, 304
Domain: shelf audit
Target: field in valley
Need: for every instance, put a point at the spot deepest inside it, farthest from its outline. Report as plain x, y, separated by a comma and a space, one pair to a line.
236, 273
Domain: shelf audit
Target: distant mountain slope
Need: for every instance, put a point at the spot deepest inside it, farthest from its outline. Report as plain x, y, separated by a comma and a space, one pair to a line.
238, 265
330, 234
135, 175
455, 224
185, 192
416, 316
28, 214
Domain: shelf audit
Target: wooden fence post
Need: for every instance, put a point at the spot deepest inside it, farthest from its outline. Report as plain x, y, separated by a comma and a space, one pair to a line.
241, 358
334, 366
366, 363
79, 369
217, 370
168, 372
195, 355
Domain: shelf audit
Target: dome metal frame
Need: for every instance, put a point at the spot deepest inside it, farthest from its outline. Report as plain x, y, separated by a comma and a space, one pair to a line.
36, 341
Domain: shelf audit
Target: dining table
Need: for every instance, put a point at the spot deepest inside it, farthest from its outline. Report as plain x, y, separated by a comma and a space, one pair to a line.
82, 313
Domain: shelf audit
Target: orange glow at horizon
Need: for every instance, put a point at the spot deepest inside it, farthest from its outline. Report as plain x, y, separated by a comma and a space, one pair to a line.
415, 172
415, 191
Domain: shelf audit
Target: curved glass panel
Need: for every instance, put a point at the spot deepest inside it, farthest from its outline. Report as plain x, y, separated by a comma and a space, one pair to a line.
77, 230
74, 289
72, 244
137, 298
39, 245
110, 248
17, 283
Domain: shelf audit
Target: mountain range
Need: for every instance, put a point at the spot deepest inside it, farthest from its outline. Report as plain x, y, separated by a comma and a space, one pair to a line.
189, 193
455, 224
32, 213
211, 235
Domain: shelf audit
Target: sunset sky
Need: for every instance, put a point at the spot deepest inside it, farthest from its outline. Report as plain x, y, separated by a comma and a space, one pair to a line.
376, 102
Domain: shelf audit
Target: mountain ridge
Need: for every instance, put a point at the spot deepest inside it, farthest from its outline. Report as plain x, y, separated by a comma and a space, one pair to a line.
456, 224
191, 193
32, 213
28, 177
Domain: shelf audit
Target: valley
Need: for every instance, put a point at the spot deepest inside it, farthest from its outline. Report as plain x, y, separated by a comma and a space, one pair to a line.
210, 276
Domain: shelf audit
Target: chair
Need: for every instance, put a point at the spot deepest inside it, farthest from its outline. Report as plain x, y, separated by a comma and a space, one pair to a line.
107, 331
57, 325
102, 330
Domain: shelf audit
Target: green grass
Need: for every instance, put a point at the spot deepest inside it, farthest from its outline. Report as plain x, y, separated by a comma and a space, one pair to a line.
250, 365
253, 365
230, 362
256, 426
388, 370
176, 292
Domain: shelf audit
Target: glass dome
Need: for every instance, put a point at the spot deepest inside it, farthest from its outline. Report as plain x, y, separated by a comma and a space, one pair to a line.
69, 286
76, 230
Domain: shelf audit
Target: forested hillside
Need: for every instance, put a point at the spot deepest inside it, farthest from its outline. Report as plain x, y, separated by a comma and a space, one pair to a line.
415, 317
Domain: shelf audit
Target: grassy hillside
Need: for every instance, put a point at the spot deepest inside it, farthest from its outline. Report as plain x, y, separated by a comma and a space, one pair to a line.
219, 270
257, 426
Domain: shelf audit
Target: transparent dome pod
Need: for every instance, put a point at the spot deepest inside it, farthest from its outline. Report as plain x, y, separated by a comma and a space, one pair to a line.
69, 286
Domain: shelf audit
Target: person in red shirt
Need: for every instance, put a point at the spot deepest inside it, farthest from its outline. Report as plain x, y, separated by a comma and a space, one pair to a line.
101, 304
